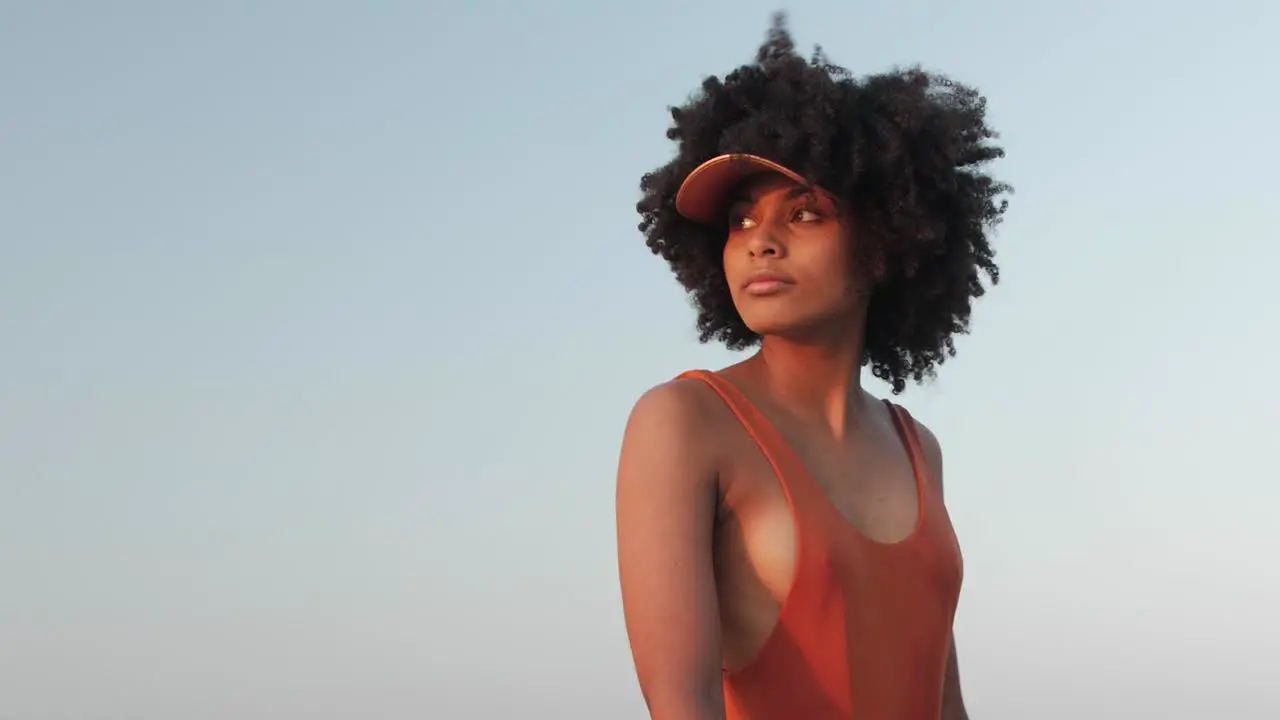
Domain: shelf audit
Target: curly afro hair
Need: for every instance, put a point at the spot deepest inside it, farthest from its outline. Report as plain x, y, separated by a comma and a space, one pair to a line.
905, 152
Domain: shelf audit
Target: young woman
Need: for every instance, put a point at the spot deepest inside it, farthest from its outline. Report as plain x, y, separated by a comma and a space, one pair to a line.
784, 549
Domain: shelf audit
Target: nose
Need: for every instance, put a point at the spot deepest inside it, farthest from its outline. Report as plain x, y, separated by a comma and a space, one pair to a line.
764, 243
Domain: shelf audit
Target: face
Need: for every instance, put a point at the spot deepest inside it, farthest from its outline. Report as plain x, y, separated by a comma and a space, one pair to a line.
789, 259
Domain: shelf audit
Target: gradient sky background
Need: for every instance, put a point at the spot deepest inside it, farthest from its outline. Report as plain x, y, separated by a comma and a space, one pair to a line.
321, 323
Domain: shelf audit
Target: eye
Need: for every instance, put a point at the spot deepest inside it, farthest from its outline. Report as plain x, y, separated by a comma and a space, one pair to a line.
805, 215
740, 221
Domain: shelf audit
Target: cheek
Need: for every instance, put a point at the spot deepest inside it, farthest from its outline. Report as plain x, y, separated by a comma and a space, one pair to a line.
828, 262
734, 259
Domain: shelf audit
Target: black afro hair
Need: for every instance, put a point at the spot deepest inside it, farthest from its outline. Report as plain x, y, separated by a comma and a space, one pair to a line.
904, 150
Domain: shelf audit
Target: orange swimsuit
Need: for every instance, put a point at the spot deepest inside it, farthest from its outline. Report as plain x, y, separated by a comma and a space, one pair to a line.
865, 630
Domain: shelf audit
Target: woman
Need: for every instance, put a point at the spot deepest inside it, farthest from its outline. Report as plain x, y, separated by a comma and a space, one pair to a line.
784, 549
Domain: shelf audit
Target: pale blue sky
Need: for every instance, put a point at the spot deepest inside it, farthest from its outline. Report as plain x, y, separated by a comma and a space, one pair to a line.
321, 323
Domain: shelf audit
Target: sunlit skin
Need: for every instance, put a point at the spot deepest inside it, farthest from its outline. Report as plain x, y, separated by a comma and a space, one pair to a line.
800, 234
705, 536
811, 317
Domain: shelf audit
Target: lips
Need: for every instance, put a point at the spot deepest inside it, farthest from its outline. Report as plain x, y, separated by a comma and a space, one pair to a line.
767, 282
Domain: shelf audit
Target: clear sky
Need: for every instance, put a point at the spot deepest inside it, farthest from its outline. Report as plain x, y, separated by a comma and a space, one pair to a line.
321, 323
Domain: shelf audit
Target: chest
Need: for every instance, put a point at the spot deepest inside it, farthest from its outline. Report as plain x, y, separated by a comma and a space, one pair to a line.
872, 486
863, 494
861, 514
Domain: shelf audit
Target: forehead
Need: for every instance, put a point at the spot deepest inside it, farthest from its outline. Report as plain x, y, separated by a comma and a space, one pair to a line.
772, 185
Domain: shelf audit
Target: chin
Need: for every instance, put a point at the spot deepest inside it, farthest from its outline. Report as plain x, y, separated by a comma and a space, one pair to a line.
779, 322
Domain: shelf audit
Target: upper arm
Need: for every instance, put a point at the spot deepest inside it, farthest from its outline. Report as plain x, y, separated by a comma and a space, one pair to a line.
666, 503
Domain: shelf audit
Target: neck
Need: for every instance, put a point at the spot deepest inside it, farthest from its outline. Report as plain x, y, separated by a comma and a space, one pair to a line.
817, 380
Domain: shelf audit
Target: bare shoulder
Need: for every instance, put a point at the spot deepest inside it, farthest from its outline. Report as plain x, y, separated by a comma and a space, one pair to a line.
670, 435
681, 400
677, 414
